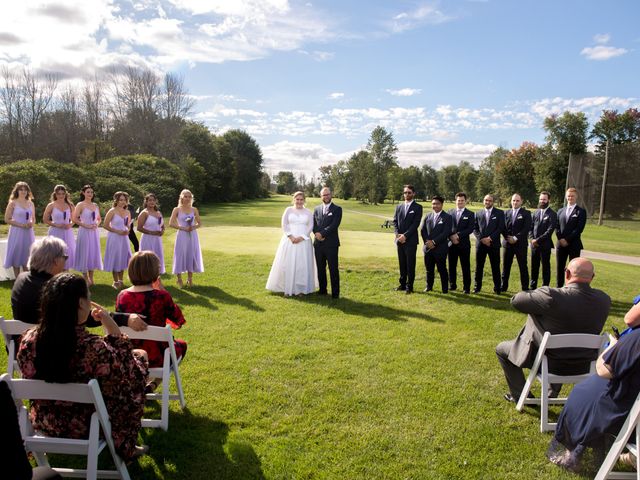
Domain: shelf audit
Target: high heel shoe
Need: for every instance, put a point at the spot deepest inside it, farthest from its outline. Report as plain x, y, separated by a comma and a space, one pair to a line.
179, 282
140, 451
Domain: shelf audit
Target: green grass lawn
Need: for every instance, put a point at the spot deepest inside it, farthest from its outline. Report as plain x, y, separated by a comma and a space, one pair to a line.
376, 385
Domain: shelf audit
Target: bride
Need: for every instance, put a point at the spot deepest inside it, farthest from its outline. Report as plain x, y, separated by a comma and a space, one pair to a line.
294, 269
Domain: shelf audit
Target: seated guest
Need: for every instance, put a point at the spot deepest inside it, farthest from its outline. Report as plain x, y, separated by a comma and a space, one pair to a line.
47, 258
574, 308
154, 304
598, 406
61, 350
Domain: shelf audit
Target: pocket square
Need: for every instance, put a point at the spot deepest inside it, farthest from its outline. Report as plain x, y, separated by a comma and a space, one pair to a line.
575, 215
411, 211
519, 217
465, 218
493, 218
439, 221
329, 214
546, 218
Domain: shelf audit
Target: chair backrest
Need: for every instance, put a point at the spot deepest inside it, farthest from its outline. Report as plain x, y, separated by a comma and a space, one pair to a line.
573, 340
159, 334
10, 328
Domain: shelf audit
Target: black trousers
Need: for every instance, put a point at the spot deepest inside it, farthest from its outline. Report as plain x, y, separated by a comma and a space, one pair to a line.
464, 254
521, 256
407, 263
562, 254
538, 256
433, 260
133, 238
327, 256
494, 259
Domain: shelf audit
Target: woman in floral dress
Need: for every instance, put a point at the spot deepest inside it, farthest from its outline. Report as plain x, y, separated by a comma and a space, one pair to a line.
61, 350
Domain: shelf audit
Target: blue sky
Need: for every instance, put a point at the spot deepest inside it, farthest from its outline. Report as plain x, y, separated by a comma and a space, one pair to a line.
310, 80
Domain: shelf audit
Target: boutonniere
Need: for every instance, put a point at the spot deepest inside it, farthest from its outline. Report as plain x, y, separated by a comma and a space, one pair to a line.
329, 214
519, 217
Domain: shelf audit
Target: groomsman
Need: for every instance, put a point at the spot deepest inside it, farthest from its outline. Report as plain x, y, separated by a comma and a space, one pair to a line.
326, 220
406, 221
489, 224
435, 231
460, 247
517, 224
541, 235
571, 222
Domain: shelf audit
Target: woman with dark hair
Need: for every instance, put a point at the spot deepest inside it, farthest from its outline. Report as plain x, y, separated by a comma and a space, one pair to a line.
61, 350
59, 216
151, 225
156, 306
20, 215
87, 217
117, 252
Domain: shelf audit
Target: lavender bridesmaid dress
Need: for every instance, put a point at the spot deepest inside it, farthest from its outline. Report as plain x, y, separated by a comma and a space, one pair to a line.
20, 239
187, 256
153, 242
88, 244
118, 250
61, 217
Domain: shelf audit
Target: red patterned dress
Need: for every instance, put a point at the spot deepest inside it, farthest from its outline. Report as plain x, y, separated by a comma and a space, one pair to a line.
160, 310
122, 378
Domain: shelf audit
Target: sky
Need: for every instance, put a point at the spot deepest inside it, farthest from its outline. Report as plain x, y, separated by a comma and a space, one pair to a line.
451, 79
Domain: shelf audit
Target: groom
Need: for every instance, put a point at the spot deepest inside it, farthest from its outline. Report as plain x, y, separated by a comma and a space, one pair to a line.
326, 220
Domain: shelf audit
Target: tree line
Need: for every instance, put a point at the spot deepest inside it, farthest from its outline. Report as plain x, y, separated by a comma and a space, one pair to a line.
125, 113
373, 174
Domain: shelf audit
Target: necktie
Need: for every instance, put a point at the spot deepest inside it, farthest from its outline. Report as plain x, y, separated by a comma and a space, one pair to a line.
486, 215
569, 212
458, 216
406, 208
435, 219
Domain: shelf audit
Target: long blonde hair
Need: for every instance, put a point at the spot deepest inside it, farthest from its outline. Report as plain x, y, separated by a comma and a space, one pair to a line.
18, 186
182, 193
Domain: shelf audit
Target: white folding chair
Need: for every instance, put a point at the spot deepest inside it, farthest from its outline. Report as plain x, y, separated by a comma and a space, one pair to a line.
10, 328
540, 371
169, 367
40, 445
622, 442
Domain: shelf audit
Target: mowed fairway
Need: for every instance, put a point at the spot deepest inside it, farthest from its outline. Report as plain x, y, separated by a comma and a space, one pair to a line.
376, 385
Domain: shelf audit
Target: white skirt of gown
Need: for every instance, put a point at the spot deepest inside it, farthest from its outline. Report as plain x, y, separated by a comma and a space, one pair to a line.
294, 268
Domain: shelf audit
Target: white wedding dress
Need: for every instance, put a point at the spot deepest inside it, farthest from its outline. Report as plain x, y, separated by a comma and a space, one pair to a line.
294, 268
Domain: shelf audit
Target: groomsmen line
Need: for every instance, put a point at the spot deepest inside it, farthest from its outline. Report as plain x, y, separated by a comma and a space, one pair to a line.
446, 236
83, 254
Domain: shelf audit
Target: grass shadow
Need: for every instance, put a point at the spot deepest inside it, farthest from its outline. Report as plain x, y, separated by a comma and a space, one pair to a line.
486, 300
196, 447
208, 295
364, 309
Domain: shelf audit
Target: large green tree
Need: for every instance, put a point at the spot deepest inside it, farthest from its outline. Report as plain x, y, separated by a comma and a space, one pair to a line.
515, 173
486, 173
382, 149
448, 178
247, 162
285, 182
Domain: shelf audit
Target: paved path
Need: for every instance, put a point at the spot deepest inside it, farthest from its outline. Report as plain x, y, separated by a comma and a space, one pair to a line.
609, 257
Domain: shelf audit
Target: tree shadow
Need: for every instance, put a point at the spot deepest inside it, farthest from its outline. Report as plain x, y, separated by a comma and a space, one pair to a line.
619, 309
364, 309
208, 295
196, 447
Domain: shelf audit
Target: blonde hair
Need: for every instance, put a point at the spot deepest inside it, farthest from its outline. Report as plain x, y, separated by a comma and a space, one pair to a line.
62, 188
293, 197
182, 194
18, 186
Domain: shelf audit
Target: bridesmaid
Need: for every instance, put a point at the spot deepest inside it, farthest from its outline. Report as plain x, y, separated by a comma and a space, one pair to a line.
59, 216
87, 217
187, 256
117, 252
151, 225
20, 215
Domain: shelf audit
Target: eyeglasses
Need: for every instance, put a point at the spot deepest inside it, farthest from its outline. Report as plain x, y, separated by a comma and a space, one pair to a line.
407, 193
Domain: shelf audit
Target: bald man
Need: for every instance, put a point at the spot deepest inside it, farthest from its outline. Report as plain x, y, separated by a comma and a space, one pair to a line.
574, 308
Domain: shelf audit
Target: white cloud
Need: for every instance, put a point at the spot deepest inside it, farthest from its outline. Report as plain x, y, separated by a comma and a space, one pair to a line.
299, 157
602, 52
602, 38
335, 95
82, 37
437, 154
404, 92
425, 14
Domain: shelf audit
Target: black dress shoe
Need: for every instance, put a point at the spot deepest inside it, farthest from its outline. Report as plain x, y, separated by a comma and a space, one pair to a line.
476, 290
400, 288
428, 289
322, 292
509, 398
336, 296
497, 292
453, 287
408, 291
467, 292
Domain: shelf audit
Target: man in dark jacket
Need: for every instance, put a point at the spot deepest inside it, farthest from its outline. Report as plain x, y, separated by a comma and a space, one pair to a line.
406, 221
435, 231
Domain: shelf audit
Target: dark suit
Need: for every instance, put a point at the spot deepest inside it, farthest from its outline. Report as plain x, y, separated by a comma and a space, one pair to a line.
463, 227
326, 251
517, 226
575, 308
492, 229
570, 230
544, 223
407, 221
438, 232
